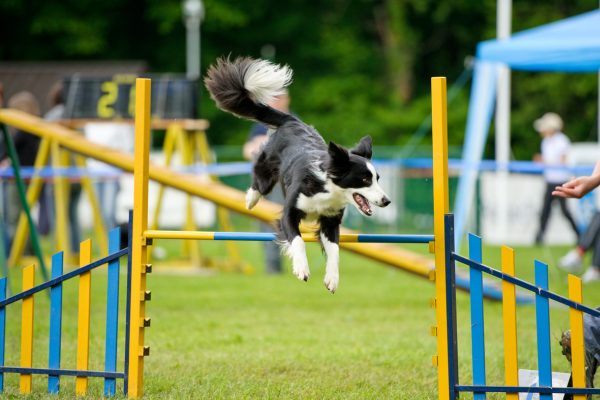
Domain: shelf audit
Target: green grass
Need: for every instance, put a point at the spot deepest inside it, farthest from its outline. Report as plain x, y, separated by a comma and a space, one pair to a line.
236, 336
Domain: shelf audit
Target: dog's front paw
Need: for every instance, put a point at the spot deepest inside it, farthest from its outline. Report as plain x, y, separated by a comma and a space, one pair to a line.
332, 281
301, 269
252, 197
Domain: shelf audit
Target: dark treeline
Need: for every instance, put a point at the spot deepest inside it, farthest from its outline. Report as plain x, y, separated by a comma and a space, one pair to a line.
361, 67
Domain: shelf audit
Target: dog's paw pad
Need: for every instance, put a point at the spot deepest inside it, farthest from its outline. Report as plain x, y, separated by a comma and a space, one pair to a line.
252, 197
331, 282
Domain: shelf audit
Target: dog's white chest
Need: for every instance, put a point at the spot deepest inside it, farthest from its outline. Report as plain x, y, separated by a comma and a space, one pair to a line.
321, 204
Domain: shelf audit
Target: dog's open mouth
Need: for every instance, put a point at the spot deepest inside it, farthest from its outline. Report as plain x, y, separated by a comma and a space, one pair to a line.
363, 204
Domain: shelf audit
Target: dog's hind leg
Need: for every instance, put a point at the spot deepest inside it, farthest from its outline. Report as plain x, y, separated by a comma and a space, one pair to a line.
265, 174
329, 236
294, 248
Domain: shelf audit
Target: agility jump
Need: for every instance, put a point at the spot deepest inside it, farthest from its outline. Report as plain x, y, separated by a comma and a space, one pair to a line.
445, 300
444, 275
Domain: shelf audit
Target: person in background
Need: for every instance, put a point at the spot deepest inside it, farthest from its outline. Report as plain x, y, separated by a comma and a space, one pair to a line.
555, 146
55, 114
576, 189
26, 146
257, 138
1, 95
573, 260
113, 135
46, 218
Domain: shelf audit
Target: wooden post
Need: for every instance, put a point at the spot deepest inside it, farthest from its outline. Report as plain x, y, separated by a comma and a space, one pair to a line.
83, 328
509, 312
440, 208
577, 345
27, 329
139, 248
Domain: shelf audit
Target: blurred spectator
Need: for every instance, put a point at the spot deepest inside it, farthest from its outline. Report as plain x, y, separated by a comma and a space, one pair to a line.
56, 102
26, 146
259, 133
47, 213
1, 95
555, 146
47, 205
257, 138
573, 260
118, 136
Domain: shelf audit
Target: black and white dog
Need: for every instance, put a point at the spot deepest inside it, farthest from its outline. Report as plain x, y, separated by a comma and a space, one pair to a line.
318, 181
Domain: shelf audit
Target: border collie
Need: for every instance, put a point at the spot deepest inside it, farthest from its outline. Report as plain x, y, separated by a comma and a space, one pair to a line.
318, 181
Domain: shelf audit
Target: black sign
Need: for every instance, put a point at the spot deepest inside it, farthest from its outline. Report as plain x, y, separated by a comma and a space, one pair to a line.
173, 97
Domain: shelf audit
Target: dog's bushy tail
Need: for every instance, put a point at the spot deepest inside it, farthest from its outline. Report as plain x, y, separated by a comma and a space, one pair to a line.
243, 87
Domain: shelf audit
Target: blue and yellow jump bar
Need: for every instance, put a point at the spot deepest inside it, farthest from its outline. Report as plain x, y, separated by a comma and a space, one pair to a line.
267, 237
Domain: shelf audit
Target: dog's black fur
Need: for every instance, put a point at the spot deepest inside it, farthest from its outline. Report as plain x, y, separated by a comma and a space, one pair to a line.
295, 154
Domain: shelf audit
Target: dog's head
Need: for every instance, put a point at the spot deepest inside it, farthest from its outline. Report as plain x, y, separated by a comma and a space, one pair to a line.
354, 173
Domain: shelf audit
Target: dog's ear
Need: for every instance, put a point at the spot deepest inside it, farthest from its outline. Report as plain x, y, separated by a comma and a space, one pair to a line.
364, 148
339, 160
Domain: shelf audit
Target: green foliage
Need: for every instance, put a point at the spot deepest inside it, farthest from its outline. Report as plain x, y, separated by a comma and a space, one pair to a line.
361, 67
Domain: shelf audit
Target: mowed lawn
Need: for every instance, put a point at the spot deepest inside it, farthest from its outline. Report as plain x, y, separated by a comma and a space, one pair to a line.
235, 336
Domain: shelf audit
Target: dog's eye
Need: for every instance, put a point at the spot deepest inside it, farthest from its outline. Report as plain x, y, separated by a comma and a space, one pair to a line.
366, 180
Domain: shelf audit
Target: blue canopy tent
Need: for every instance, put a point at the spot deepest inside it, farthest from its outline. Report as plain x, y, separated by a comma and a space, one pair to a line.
570, 45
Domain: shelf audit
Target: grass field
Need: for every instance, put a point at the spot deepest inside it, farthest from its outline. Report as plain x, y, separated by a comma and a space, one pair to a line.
235, 336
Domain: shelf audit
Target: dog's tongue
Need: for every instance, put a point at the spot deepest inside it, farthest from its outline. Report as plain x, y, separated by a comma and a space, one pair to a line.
363, 203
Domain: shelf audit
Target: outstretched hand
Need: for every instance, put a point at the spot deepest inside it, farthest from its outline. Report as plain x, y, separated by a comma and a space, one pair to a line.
577, 188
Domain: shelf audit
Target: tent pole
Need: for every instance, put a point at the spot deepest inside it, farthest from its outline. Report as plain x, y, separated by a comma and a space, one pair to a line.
503, 31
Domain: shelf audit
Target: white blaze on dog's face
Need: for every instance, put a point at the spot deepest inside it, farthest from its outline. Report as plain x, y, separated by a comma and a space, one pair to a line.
354, 173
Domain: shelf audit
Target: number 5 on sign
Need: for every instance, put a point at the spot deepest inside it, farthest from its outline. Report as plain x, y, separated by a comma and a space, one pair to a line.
107, 100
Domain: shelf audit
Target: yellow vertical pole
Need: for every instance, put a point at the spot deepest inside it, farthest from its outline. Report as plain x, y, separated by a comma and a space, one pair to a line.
99, 227
577, 345
61, 203
139, 249
33, 194
27, 329
83, 326
509, 312
441, 206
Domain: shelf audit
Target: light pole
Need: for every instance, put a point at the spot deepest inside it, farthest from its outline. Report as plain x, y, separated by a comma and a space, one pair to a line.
193, 13
503, 32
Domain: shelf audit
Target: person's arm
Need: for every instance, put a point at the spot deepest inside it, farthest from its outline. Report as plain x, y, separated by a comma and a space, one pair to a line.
253, 145
579, 187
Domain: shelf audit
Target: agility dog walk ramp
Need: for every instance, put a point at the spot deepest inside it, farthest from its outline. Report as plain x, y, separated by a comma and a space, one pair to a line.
230, 198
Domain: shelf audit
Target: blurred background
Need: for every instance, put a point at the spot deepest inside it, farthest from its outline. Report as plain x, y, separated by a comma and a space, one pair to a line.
360, 68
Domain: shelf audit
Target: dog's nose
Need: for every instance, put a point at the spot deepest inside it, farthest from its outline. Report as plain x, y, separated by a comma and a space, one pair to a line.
386, 201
